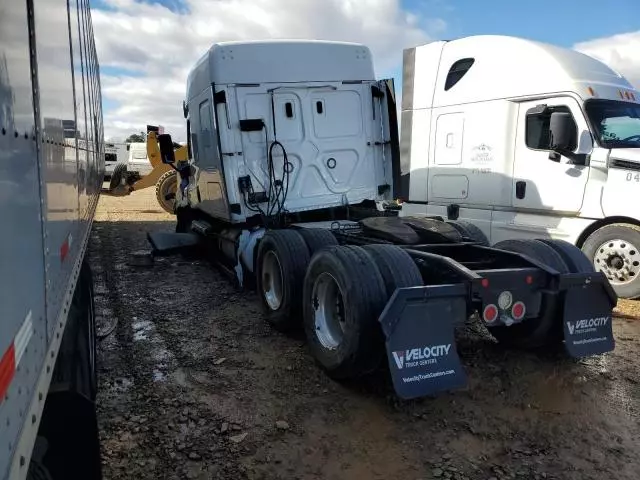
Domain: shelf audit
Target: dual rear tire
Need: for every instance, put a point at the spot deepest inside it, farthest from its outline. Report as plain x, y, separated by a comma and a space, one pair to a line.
335, 292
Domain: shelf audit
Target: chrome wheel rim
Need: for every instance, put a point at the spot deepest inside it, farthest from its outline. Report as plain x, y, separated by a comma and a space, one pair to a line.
619, 260
328, 311
272, 288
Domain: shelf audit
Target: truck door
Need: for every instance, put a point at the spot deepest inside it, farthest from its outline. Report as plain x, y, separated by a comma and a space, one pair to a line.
544, 181
206, 155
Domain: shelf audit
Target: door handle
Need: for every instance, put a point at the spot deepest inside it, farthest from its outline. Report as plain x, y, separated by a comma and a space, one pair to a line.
521, 189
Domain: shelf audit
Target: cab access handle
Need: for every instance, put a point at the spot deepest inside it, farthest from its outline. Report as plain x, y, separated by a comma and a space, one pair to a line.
521, 189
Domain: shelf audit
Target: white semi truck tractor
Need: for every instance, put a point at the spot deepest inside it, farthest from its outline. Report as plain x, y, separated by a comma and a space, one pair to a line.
51, 170
525, 140
289, 183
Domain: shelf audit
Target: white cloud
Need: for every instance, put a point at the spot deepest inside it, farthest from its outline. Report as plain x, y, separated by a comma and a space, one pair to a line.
620, 52
161, 45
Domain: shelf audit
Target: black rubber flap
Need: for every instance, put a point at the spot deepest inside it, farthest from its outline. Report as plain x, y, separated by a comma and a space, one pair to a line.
431, 230
587, 321
390, 228
170, 243
418, 323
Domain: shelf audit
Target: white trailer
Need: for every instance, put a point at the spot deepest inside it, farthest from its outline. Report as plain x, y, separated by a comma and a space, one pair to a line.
51, 167
291, 171
525, 140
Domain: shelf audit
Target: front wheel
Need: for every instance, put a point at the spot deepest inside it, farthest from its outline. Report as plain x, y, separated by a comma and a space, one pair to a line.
615, 251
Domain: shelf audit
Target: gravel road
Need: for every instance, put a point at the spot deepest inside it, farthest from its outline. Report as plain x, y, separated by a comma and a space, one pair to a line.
194, 384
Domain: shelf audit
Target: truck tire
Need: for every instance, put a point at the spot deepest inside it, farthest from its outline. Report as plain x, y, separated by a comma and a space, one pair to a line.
317, 239
615, 250
396, 266
546, 329
575, 259
282, 261
119, 173
167, 184
470, 231
344, 294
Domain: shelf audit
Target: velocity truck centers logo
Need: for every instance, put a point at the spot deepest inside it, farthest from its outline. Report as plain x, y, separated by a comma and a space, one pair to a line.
586, 325
420, 356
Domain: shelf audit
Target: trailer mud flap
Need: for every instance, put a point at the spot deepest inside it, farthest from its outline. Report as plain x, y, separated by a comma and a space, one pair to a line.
418, 323
587, 321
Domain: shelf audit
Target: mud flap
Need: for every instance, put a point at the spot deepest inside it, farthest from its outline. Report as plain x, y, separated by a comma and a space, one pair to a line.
418, 323
587, 321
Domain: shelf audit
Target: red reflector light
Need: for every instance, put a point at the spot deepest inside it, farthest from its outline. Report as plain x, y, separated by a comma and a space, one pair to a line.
490, 313
529, 279
518, 310
485, 282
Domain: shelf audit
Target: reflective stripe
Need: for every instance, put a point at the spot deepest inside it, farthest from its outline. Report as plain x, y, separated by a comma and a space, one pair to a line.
64, 250
66, 246
13, 355
23, 337
7, 370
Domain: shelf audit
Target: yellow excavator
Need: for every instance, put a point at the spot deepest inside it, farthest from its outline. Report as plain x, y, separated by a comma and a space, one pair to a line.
163, 176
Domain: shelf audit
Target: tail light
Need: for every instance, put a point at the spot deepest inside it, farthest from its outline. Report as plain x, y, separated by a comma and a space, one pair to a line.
518, 311
490, 313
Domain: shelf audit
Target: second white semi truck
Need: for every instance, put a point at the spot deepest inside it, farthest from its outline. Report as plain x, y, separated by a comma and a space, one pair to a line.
525, 140
291, 174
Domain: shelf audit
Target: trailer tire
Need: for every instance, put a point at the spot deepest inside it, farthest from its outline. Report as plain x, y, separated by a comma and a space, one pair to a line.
317, 239
283, 257
167, 184
396, 266
546, 329
344, 294
471, 231
119, 173
575, 259
621, 240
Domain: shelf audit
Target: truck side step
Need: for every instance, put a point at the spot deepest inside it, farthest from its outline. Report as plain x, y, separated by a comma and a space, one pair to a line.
170, 243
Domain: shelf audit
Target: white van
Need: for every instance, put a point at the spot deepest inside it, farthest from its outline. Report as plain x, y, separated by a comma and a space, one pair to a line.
138, 161
525, 140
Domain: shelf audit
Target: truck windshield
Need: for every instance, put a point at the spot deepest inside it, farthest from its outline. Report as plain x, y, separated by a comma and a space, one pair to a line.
616, 124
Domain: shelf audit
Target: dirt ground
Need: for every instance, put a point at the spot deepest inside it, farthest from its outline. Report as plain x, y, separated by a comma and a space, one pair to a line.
194, 384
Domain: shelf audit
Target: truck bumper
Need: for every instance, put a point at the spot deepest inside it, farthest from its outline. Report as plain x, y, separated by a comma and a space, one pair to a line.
418, 323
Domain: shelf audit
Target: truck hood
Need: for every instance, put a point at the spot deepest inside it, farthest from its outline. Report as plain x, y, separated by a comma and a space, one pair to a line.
625, 155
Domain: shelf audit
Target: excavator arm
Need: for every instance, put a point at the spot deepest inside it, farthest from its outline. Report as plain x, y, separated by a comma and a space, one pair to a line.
153, 153
124, 185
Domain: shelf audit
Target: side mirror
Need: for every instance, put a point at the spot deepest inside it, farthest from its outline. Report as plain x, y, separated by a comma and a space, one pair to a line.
166, 148
562, 132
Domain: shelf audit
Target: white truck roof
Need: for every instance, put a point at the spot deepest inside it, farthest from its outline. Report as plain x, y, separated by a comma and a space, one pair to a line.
505, 67
280, 61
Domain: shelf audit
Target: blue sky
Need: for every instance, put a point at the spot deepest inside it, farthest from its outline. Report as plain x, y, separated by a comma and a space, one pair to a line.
154, 31
561, 22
